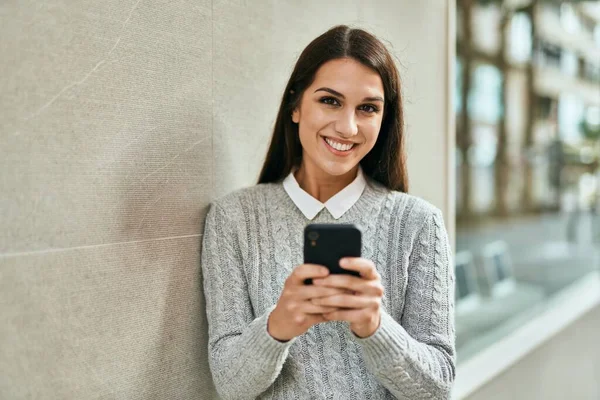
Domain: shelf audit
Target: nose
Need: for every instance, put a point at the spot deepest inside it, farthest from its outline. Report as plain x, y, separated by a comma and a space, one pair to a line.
346, 124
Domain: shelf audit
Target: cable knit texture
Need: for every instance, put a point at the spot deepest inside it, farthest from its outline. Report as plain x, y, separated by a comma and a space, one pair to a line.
253, 239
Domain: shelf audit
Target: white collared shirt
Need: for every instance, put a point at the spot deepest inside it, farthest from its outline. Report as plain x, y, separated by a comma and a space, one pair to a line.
337, 205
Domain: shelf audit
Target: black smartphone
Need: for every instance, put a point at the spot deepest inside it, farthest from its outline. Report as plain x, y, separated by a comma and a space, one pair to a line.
326, 244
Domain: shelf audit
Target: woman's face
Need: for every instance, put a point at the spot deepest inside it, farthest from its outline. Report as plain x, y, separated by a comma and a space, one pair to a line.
339, 116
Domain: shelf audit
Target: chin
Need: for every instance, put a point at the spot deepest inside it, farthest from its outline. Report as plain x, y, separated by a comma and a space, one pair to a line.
337, 169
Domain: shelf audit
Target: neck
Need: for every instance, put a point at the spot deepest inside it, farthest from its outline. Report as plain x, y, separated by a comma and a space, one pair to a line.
321, 185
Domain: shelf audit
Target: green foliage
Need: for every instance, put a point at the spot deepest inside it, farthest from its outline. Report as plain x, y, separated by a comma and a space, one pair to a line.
590, 132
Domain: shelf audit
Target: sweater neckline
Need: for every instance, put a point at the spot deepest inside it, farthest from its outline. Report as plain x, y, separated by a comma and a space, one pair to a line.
363, 209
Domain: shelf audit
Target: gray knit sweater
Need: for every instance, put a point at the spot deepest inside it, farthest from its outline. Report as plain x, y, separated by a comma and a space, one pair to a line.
253, 239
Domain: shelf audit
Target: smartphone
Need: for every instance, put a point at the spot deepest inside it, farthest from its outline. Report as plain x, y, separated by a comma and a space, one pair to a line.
326, 244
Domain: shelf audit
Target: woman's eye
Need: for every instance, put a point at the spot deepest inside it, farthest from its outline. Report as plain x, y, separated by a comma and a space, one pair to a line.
369, 108
330, 101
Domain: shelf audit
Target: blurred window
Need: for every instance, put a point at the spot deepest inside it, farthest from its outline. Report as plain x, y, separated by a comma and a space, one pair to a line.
569, 19
569, 63
591, 72
570, 114
484, 99
548, 54
520, 42
544, 107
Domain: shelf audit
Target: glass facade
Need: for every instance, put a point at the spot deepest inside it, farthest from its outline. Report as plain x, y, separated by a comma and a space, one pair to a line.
528, 221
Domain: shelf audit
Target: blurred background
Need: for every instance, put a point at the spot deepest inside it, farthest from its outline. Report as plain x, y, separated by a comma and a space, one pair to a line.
121, 120
527, 104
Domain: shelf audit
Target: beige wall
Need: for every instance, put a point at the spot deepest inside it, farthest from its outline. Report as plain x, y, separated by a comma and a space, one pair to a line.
120, 121
566, 367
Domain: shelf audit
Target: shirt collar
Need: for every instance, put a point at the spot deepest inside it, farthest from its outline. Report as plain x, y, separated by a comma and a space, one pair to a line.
336, 205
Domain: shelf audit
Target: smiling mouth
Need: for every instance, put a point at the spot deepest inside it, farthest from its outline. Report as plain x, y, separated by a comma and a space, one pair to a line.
340, 147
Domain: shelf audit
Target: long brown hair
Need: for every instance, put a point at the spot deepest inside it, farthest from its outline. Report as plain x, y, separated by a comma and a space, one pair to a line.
386, 162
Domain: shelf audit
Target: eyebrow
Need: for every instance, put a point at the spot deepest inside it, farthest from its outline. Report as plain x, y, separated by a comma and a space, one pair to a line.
336, 93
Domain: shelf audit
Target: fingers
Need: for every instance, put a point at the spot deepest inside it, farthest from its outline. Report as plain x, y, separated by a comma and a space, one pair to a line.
310, 308
314, 292
352, 283
347, 301
363, 322
305, 271
307, 320
365, 267
313, 319
351, 316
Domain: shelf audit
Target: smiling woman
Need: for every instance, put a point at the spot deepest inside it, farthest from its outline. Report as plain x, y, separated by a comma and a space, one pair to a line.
345, 87
338, 127
336, 157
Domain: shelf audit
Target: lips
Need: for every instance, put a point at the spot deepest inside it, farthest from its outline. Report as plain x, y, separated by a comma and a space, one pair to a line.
341, 150
339, 145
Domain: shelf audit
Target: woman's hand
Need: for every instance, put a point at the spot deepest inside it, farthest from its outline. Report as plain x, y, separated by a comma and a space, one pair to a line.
362, 308
294, 313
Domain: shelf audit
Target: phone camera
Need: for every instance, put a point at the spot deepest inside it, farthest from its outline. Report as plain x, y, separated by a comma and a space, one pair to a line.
313, 236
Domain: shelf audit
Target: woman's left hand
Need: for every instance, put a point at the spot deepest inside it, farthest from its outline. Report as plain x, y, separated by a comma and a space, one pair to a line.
362, 303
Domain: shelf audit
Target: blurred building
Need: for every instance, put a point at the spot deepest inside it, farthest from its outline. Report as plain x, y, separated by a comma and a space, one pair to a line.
528, 181
528, 91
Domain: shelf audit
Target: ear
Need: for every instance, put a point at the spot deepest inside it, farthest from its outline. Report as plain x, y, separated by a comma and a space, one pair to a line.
296, 115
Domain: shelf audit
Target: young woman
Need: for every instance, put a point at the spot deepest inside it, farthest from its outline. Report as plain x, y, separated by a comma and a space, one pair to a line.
336, 156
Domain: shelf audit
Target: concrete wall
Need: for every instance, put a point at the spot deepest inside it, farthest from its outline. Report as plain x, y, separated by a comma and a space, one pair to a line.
120, 120
566, 367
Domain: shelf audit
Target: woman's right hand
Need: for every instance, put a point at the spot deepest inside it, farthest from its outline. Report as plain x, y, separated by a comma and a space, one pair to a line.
294, 313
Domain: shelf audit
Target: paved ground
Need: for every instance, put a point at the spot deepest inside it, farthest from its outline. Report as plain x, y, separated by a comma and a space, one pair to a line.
544, 261
539, 247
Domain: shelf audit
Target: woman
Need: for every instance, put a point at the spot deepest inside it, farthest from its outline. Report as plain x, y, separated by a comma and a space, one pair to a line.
336, 156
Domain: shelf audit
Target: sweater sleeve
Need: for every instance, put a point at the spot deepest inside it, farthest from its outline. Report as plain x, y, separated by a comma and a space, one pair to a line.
244, 358
414, 358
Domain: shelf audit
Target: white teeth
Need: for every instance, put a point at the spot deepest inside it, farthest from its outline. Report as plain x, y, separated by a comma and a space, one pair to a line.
339, 146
